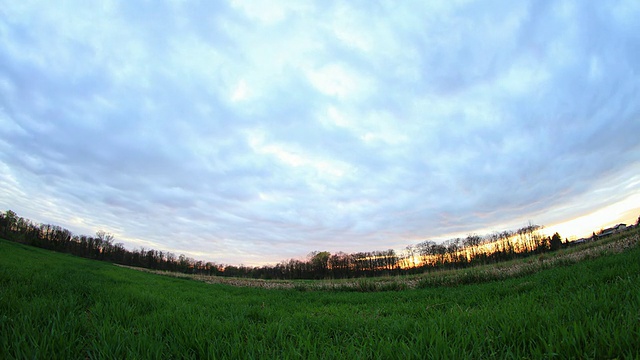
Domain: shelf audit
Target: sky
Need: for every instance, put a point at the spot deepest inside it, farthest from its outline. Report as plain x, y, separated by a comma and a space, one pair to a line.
250, 132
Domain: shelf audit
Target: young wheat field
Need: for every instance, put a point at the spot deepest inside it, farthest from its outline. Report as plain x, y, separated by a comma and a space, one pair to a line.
56, 306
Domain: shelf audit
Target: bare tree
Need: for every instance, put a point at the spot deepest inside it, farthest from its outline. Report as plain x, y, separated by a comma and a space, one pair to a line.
105, 237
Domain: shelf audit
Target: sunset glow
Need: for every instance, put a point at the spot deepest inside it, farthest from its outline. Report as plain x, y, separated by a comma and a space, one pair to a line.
624, 212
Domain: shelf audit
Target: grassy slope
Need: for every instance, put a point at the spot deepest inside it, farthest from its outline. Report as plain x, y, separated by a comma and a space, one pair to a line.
58, 306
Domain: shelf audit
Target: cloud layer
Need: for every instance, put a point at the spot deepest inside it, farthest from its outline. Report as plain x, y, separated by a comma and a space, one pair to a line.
254, 131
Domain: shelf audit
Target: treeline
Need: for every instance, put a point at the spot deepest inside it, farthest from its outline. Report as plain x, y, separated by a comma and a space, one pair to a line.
99, 247
424, 256
323, 265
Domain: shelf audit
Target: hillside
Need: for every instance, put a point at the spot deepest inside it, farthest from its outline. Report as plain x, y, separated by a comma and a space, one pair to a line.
59, 306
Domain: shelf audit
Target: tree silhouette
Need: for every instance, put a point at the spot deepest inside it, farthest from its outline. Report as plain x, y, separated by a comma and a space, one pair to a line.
453, 253
319, 263
556, 241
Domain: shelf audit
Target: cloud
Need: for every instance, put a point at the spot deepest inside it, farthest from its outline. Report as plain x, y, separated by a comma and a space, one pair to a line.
253, 132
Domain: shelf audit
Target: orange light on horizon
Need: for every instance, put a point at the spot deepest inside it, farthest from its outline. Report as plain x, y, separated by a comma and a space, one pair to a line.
625, 211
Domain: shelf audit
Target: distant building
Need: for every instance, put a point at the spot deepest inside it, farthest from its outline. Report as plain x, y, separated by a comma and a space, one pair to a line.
577, 242
612, 230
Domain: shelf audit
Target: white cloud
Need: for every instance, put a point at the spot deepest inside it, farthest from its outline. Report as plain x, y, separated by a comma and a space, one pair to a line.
269, 12
340, 81
255, 131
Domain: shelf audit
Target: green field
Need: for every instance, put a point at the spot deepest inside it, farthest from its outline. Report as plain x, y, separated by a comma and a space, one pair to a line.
58, 306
